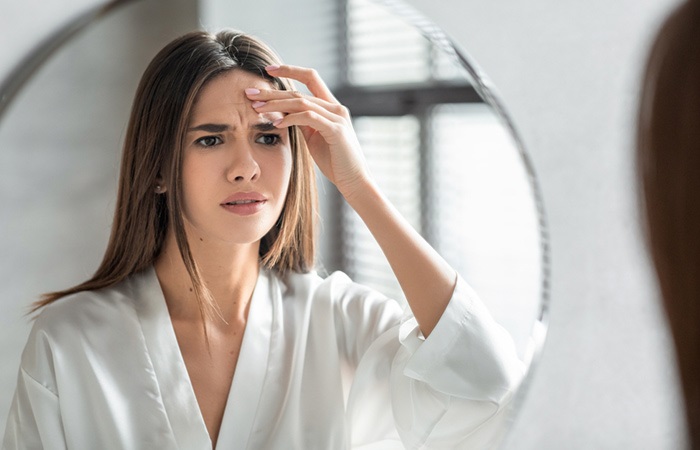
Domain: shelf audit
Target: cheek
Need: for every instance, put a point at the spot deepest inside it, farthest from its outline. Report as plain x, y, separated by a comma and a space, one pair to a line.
286, 171
194, 186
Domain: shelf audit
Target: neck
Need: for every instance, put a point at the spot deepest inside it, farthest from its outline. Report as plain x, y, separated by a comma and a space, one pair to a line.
228, 271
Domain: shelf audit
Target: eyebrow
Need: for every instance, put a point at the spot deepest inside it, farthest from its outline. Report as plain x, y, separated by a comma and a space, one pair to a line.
221, 127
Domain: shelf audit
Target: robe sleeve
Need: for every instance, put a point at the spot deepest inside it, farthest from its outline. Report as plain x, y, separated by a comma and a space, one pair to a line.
450, 390
34, 420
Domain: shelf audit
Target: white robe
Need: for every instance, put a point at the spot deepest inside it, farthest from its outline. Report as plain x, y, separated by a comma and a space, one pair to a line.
103, 370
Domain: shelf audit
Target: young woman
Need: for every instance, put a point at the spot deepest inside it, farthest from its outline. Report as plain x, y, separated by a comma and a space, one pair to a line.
205, 325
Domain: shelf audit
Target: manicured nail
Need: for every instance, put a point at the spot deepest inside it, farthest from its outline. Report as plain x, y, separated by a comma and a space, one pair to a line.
277, 121
272, 67
259, 104
252, 91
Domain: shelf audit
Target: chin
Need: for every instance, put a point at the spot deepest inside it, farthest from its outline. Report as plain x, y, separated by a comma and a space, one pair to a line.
245, 238
228, 233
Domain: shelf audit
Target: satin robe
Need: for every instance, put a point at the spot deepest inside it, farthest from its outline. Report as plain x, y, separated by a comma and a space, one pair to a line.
324, 364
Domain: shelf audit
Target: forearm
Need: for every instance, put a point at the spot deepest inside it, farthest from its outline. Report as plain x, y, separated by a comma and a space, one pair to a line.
425, 277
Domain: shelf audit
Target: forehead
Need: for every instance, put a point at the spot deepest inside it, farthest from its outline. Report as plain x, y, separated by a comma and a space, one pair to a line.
225, 94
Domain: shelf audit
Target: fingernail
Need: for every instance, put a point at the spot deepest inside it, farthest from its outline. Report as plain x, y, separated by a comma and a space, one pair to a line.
272, 67
259, 104
277, 121
252, 91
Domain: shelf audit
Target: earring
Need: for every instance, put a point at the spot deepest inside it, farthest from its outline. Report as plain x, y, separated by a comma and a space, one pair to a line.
159, 189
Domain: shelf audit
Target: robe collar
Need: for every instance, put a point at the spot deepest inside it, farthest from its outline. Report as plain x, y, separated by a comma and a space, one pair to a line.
170, 371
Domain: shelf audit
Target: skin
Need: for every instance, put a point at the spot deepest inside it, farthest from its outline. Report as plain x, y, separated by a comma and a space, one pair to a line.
226, 248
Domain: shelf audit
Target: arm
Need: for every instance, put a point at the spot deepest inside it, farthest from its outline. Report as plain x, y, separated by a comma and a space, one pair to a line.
35, 419
425, 278
451, 390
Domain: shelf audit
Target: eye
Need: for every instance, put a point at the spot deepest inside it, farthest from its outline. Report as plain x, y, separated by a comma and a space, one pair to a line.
208, 141
270, 139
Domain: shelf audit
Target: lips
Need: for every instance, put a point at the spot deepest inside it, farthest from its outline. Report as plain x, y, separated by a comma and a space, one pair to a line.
244, 203
241, 202
242, 198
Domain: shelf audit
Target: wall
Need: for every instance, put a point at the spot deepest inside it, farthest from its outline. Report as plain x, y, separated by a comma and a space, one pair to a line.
568, 72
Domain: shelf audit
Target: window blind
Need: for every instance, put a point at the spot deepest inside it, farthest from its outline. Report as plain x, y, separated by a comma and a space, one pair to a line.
383, 50
391, 148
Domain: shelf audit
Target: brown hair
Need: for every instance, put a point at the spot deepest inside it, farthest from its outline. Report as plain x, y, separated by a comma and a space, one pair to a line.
152, 154
668, 166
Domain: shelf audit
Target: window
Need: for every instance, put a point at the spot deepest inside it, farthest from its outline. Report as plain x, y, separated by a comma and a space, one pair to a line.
395, 78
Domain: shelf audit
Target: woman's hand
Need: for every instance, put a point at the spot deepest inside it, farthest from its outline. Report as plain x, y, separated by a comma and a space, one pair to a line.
325, 124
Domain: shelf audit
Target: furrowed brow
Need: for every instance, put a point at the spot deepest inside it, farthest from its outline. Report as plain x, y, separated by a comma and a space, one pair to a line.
221, 127
210, 127
264, 126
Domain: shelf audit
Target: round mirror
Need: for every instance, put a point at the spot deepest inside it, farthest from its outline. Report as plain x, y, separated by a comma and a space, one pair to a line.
434, 132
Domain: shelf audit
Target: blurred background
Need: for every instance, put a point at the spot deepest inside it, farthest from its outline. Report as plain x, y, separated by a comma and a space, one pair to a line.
569, 76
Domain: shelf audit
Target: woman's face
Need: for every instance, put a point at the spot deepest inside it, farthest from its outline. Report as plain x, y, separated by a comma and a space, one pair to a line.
236, 164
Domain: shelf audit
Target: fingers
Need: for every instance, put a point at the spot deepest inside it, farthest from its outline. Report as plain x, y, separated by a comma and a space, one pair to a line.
310, 113
309, 77
320, 111
311, 121
286, 102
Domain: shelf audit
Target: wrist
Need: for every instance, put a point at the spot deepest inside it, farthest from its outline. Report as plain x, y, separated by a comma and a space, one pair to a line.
360, 190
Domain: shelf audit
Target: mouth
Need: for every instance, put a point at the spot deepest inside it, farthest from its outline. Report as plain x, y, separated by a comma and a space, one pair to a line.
243, 202
244, 198
244, 205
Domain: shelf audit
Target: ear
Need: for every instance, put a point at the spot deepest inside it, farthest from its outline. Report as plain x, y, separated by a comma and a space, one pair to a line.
160, 188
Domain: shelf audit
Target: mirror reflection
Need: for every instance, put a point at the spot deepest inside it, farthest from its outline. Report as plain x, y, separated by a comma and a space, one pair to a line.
439, 151
434, 148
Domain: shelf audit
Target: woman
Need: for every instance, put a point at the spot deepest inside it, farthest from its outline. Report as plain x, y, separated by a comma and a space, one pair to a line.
205, 326
668, 161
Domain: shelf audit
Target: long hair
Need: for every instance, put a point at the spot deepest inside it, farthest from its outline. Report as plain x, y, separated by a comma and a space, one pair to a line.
668, 166
153, 149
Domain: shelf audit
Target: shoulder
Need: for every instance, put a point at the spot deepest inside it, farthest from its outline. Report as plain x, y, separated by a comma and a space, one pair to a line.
336, 291
336, 286
311, 280
86, 314
95, 308
89, 331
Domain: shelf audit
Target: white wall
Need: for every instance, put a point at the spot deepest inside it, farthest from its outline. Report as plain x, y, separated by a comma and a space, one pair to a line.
568, 72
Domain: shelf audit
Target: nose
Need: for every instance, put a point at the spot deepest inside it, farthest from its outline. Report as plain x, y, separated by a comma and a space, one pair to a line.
243, 165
